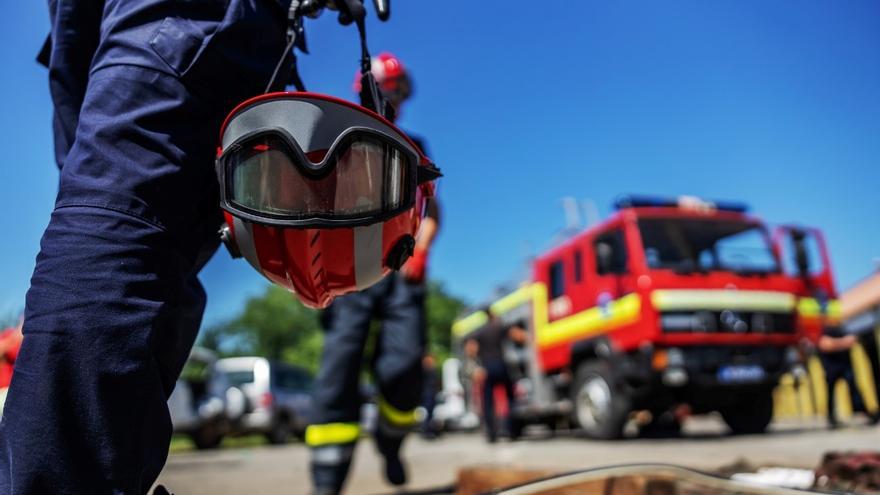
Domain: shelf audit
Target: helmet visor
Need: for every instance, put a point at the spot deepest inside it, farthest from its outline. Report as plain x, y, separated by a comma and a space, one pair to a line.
363, 176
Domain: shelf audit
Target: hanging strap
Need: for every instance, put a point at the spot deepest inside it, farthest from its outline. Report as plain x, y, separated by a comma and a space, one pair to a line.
295, 37
371, 97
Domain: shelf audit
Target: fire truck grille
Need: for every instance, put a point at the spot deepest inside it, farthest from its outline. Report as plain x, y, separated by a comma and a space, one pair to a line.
727, 321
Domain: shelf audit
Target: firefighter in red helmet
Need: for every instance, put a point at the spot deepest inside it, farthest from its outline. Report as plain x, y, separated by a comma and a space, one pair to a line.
398, 302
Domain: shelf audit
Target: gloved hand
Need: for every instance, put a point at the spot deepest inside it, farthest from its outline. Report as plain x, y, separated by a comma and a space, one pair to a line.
416, 266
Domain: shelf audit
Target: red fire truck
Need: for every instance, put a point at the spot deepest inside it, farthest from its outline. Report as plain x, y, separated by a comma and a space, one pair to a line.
668, 305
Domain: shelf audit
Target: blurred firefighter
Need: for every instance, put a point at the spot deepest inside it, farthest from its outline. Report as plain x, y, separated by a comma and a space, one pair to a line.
834, 352
488, 343
398, 302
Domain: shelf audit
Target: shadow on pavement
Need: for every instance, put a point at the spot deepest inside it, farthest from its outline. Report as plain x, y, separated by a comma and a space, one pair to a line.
425, 491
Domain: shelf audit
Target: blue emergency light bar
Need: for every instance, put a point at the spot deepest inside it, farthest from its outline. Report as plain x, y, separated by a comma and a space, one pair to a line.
691, 202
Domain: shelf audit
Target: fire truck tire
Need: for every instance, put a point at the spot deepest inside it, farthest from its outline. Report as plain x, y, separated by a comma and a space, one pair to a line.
601, 408
751, 414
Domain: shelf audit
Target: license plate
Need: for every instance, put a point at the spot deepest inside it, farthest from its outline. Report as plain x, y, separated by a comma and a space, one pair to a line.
740, 374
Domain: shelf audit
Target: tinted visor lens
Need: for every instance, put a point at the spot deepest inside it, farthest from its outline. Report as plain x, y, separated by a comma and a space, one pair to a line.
364, 176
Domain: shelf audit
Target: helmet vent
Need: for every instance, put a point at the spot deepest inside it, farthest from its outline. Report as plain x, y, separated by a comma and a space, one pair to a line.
315, 260
315, 239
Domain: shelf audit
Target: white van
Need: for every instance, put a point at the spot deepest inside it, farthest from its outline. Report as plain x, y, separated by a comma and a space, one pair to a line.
279, 400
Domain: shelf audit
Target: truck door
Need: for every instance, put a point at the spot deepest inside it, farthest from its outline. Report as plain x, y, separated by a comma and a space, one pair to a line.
613, 279
803, 255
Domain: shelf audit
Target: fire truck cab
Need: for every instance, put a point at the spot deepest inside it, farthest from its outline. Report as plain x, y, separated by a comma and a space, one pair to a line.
668, 305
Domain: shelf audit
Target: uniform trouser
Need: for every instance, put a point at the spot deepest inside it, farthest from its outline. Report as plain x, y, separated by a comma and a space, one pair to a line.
115, 303
396, 365
496, 374
834, 371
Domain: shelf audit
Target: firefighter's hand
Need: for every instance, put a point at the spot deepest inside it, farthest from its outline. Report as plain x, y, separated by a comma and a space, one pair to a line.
415, 268
848, 342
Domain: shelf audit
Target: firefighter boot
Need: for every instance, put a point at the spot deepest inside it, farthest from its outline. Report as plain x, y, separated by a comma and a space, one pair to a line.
389, 447
328, 479
329, 467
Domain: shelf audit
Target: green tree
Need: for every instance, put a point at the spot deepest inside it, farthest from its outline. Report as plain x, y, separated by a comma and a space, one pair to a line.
442, 309
274, 325
277, 326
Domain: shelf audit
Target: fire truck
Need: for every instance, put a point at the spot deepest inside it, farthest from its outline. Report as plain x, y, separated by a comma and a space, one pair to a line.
669, 305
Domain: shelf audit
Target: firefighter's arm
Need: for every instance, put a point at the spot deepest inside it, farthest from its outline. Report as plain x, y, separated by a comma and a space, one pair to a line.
836, 344
414, 269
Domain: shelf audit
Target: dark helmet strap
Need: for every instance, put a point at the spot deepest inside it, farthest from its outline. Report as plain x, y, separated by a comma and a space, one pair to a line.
371, 97
295, 38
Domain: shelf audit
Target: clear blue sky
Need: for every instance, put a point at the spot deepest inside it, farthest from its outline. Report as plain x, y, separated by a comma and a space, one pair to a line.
773, 103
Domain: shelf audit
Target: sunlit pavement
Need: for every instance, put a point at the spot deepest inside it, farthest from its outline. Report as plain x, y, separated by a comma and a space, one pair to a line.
433, 464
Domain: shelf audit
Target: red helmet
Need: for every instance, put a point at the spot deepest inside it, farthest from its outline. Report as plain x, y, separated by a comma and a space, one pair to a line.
391, 76
321, 196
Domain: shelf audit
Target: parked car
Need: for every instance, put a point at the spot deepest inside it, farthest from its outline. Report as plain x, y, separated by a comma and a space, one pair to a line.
278, 397
204, 404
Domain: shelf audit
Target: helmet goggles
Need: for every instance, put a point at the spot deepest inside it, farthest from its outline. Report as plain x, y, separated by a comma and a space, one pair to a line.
309, 160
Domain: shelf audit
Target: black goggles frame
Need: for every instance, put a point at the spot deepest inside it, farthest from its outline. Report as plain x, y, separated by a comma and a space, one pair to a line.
416, 174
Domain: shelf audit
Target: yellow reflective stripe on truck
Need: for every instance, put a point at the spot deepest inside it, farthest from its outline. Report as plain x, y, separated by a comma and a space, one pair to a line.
595, 320
474, 321
810, 308
692, 300
599, 319
513, 300
469, 323
332, 434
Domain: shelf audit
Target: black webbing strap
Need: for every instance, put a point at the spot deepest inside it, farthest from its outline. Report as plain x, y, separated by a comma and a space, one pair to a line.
371, 97
294, 38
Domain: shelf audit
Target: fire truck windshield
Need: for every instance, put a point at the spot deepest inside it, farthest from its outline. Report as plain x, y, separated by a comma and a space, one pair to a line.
688, 245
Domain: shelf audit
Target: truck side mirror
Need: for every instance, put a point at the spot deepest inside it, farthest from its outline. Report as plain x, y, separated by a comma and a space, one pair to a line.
604, 258
801, 258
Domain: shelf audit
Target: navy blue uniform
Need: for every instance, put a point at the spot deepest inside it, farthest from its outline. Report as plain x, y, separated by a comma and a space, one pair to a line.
397, 366
491, 338
140, 89
838, 366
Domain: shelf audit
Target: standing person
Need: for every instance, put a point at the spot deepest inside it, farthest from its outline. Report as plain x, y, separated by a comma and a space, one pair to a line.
469, 373
140, 89
834, 352
398, 302
489, 342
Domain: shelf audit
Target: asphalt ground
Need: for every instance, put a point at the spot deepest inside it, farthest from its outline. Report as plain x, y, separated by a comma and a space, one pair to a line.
433, 465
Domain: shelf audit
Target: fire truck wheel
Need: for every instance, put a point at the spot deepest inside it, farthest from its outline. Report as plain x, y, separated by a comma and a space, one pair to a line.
751, 413
600, 407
